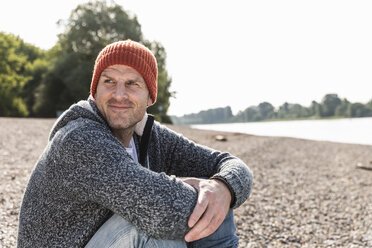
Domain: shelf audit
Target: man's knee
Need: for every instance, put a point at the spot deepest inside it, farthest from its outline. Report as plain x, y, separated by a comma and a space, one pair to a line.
116, 232
224, 236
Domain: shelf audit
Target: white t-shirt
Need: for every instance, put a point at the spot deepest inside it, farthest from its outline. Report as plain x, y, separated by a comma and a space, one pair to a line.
132, 150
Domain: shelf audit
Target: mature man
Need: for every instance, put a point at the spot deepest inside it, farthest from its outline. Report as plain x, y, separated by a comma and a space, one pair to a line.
112, 177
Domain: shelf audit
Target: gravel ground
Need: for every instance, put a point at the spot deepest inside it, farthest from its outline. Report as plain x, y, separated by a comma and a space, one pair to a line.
306, 193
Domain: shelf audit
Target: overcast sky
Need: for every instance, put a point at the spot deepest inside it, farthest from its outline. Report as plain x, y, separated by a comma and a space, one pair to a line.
237, 53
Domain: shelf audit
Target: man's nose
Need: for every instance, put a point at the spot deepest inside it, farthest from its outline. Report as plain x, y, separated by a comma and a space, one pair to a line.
120, 90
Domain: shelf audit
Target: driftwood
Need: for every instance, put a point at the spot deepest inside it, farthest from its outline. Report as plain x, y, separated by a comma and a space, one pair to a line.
364, 167
220, 138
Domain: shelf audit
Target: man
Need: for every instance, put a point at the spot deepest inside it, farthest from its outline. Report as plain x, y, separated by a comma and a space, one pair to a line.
112, 177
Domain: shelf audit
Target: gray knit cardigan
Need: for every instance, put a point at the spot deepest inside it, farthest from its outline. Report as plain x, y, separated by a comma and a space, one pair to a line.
85, 175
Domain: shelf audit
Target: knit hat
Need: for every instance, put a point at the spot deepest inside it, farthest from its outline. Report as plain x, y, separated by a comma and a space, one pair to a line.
128, 53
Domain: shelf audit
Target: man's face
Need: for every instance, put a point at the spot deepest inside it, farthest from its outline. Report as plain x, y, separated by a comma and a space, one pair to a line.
122, 96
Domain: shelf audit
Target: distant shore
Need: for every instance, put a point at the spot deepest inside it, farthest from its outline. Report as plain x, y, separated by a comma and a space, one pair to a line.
305, 194
282, 119
351, 131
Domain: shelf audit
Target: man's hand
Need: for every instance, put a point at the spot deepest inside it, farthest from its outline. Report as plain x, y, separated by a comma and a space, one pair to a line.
213, 204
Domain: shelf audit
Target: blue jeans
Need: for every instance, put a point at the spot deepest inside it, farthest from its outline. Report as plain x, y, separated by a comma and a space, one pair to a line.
117, 232
223, 237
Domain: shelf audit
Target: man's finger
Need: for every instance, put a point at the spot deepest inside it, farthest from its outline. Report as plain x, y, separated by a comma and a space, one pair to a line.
201, 226
213, 225
199, 209
207, 225
210, 216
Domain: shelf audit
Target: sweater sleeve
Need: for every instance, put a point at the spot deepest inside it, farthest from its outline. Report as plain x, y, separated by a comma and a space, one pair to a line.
95, 167
185, 158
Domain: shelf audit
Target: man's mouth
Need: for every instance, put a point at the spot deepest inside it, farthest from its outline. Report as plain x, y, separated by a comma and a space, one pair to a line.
119, 107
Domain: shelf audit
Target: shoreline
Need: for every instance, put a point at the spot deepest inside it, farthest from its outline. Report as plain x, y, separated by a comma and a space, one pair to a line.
349, 131
305, 194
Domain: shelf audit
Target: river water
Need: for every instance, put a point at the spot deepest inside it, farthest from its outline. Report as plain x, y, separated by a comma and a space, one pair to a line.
353, 130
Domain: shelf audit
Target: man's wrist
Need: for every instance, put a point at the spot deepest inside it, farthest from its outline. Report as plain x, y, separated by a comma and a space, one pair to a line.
226, 183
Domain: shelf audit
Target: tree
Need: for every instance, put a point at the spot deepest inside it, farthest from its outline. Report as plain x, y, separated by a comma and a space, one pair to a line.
217, 115
359, 110
297, 111
12, 78
160, 108
251, 113
89, 28
342, 109
293, 111
35, 70
315, 109
369, 105
329, 103
283, 111
228, 114
266, 110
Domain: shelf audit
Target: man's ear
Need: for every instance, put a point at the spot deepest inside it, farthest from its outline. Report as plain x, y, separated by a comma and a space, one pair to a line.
149, 101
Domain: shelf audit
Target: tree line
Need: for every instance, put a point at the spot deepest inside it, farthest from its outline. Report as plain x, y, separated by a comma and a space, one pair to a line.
41, 83
331, 106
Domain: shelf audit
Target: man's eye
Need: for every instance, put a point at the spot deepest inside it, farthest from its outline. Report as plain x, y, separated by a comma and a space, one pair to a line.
131, 82
109, 81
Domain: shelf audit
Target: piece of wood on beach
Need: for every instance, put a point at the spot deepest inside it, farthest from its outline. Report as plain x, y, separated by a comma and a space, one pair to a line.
220, 138
366, 166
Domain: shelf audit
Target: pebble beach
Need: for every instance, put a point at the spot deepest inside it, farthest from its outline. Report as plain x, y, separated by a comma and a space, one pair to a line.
305, 194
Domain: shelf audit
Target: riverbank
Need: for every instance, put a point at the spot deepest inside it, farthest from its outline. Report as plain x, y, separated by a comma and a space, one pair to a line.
305, 194
351, 131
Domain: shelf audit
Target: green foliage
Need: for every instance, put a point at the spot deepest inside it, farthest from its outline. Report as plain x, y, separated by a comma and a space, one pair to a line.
343, 109
266, 110
369, 105
218, 115
249, 114
12, 76
160, 108
36, 72
331, 106
22, 67
359, 110
11, 104
330, 102
315, 109
93, 25
283, 111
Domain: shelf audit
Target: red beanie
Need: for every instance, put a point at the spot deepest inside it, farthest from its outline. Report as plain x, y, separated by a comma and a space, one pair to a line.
128, 53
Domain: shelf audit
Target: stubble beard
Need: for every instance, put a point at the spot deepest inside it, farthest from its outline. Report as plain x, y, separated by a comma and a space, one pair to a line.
123, 122
120, 121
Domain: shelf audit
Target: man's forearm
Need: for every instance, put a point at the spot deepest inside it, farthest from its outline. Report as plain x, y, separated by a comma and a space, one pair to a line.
238, 178
154, 202
187, 159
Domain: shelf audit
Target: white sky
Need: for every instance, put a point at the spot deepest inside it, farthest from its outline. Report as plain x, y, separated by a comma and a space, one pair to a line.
237, 53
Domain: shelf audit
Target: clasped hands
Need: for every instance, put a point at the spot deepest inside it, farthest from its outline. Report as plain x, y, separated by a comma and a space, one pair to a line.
213, 204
